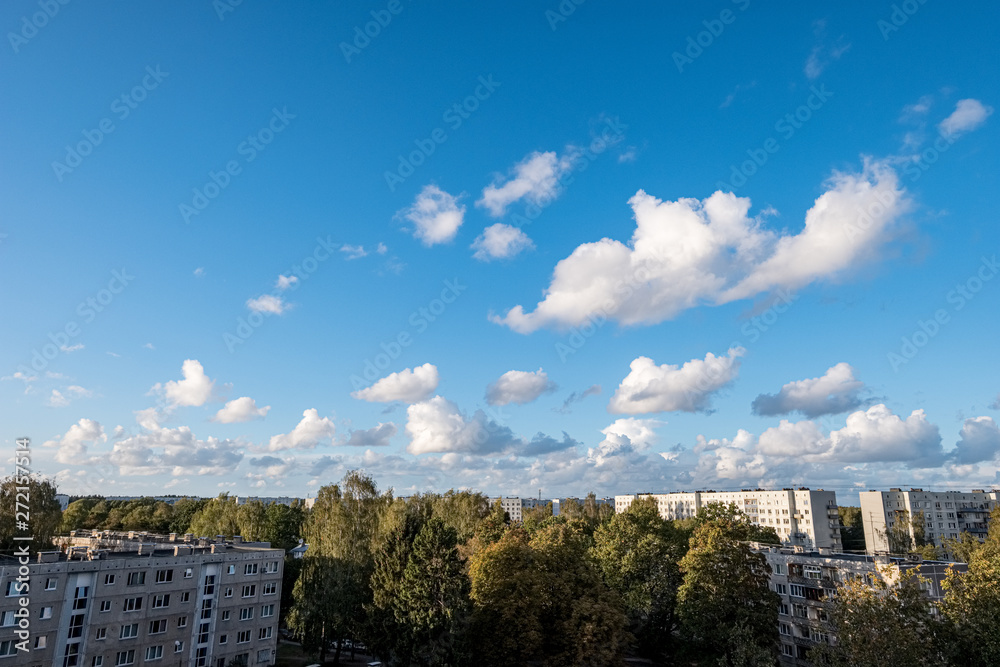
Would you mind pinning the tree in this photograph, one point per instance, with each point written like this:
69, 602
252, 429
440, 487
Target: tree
735, 523
282, 525
852, 528
37, 498
638, 552
882, 621
183, 512
75, 516
217, 517
318, 616
462, 511
726, 608
964, 547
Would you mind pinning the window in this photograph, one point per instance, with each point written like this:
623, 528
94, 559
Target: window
779, 568
270, 589
210, 585
786, 649
231, 569
105, 605
229, 592
265, 633
129, 631
206, 609
225, 615
7, 619
797, 591
182, 621
40, 642
164, 576
783, 609
243, 637
201, 657
46, 612
178, 647
781, 589
263, 656
250, 590
271, 567
136, 578
50, 584
14, 588
102, 633
158, 626
246, 614
267, 611
784, 629
109, 579
223, 639
160, 601
185, 596
132, 604
188, 573
813, 572
203, 633
98, 661
75, 626
8, 647
124, 658
154, 653
250, 568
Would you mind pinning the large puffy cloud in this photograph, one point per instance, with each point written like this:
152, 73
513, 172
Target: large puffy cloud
500, 241
519, 387
377, 436
980, 441
436, 216
74, 443
835, 392
967, 116
624, 438
535, 178
408, 386
671, 388
307, 433
242, 409
688, 252
194, 390
175, 451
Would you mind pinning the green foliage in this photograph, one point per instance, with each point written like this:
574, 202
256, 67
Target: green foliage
852, 528
319, 614
735, 523
38, 500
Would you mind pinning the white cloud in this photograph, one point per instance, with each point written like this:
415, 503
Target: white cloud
353, 251
149, 419
687, 253
377, 436
671, 388
436, 216
199, 272
381, 249
57, 400
967, 116
73, 445
535, 178
519, 387
176, 452
306, 435
980, 441
268, 303
149, 346
408, 386
835, 392
641, 433
194, 390
22, 376
242, 409
500, 241
71, 348
285, 282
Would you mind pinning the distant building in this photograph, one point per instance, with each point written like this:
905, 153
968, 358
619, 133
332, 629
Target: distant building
799, 516
300, 550
115, 600
514, 506
806, 580
269, 500
940, 514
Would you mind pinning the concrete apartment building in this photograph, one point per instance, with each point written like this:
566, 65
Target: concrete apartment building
515, 506
117, 599
799, 516
943, 514
805, 580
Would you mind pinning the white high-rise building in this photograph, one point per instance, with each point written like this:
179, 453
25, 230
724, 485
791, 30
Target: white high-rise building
799, 516
941, 514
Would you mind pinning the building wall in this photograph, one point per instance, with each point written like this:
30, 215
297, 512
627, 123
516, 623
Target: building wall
945, 514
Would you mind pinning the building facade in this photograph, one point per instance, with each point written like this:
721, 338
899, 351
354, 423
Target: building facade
799, 516
151, 601
926, 516
806, 580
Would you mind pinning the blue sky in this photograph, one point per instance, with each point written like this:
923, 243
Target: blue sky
502, 247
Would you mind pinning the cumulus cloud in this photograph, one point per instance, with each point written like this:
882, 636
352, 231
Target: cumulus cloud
194, 390
980, 441
688, 252
242, 409
353, 251
306, 435
967, 116
268, 303
519, 387
286, 282
835, 392
175, 451
500, 241
671, 388
57, 400
74, 443
535, 178
408, 386
377, 436
436, 216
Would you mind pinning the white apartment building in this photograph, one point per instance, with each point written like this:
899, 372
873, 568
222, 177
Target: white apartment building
805, 580
150, 601
943, 514
515, 506
799, 516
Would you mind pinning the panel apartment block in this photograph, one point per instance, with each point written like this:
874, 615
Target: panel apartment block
943, 514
